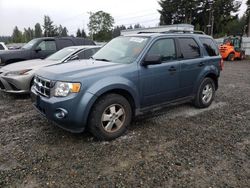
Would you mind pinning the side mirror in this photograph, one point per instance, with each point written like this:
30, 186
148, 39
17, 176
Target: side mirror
152, 60
38, 49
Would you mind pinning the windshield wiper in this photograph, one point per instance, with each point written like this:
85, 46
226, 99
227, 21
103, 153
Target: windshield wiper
103, 60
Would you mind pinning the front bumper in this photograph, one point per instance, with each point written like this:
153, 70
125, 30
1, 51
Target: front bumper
76, 106
15, 84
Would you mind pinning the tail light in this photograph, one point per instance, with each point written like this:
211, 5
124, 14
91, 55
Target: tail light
221, 64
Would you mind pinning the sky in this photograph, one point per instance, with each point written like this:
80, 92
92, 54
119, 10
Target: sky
74, 14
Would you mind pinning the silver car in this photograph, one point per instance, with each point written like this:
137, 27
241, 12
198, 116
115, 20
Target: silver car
18, 77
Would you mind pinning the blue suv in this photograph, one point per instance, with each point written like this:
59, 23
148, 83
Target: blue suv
129, 76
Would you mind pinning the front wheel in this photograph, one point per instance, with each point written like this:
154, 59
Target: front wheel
231, 57
110, 117
205, 94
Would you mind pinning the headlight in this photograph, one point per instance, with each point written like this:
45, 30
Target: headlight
63, 89
16, 73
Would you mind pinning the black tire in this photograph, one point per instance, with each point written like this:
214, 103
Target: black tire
102, 109
242, 55
231, 57
199, 101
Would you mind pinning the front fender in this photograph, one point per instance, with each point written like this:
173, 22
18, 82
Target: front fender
113, 83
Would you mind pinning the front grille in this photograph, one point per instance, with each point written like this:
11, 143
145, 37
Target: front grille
1, 85
42, 86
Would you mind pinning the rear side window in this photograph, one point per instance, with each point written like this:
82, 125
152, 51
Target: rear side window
1, 47
65, 43
210, 46
189, 48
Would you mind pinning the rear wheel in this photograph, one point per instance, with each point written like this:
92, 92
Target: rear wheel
110, 117
205, 94
242, 56
231, 57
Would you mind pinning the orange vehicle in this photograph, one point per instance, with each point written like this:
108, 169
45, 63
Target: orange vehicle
231, 49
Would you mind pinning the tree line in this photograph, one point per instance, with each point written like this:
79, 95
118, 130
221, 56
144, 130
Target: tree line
99, 32
202, 13
221, 15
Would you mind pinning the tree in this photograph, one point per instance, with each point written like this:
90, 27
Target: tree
81, 33
38, 31
100, 25
64, 32
28, 34
78, 33
117, 31
248, 18
17, 36
198, 12
84, 34
50, 30
136, 26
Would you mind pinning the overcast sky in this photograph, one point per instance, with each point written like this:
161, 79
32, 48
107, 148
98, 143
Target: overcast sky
74, 13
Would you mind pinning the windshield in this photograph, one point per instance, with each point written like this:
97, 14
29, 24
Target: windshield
61, 54
122, 49
30, 44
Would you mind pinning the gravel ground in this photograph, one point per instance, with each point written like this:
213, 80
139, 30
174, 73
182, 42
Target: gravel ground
178, 147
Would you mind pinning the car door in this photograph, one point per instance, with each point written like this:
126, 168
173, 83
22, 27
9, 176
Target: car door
191, 64
159, 83
44, 49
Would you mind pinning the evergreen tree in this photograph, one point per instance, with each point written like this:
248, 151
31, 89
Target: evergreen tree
197, 12
17, 36
38, 31
50, 30
64, 32
78, 33
83, 34
28, 34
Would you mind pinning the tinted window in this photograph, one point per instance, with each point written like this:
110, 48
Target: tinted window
210, 46
65, 43
49, 45
86, 54
189, 48
164, 48
1, 47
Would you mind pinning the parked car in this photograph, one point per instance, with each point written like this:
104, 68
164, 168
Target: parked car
2, 46
129, 76
41, 48
18, 77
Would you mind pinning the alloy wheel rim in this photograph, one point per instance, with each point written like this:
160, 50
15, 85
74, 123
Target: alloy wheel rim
207, 93
113, 118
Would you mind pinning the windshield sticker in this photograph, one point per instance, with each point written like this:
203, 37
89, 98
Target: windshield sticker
137, 39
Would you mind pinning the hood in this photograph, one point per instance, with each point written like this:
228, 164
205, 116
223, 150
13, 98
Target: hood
9, 52
29, 64
77, 69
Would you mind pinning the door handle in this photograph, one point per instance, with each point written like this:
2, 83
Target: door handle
172, 69
201, 64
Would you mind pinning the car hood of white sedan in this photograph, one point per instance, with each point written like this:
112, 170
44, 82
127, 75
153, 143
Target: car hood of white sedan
29, 64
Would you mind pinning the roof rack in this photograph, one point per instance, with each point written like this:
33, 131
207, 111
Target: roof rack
145, 32
173, 31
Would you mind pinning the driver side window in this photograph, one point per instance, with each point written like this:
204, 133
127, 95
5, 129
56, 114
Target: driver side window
47, 45
165, 48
